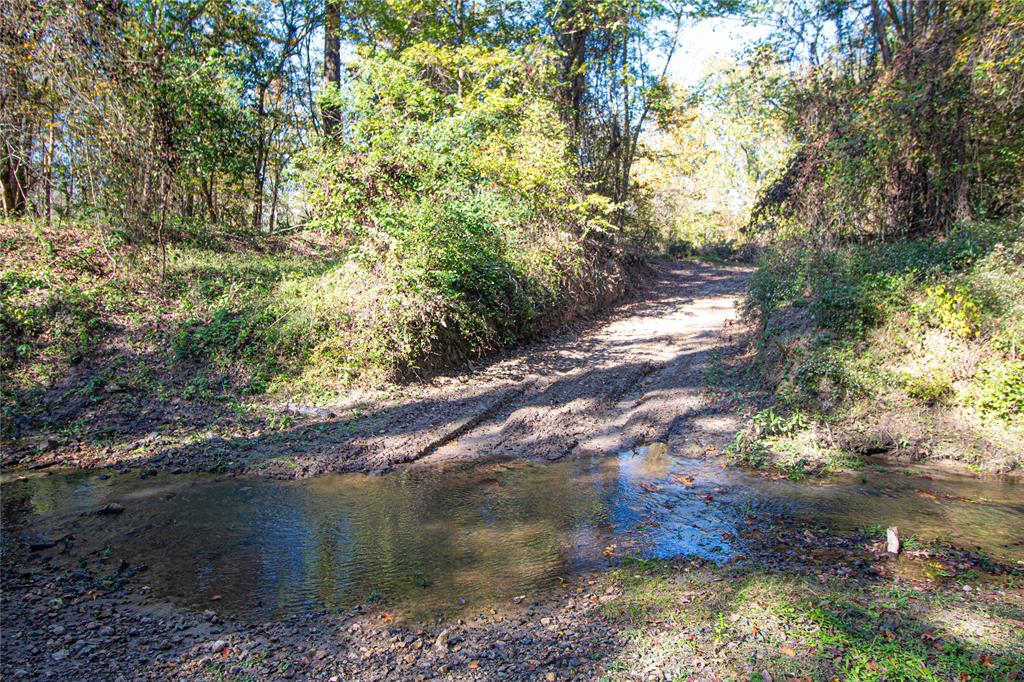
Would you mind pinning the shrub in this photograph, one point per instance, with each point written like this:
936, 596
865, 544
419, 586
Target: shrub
455, 190
930, 388
952, 309
999, 390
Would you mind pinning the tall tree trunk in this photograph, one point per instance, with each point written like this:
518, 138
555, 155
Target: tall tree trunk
879, 29
275, 194
260, 175
332, 62
48, 171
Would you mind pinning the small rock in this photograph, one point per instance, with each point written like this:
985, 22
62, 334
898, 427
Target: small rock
60, 655
110, 509
215, 647
441, 643
892, 540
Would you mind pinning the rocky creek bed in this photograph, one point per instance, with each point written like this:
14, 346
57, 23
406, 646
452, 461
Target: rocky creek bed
808, 604
646, 566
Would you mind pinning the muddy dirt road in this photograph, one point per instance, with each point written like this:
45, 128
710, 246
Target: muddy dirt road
634, 376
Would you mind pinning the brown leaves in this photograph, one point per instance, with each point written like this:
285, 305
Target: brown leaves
680, 478
650, 487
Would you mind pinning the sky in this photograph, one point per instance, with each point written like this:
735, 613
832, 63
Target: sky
709, 39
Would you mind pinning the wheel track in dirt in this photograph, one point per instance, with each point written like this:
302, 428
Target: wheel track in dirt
634, 375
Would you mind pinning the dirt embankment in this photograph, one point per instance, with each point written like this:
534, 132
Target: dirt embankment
634, 375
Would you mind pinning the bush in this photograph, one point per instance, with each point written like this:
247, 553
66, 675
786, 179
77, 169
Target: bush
969, 286
1000, 390
455, 191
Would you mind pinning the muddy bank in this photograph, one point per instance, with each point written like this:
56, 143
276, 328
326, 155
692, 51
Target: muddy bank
631, 376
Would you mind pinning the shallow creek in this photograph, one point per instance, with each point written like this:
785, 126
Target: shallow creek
431, 540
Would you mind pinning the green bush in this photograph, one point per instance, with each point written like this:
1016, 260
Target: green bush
930, 388
969, 285
999, 390
455, 190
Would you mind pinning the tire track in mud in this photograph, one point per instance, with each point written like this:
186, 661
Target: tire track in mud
636, 378
634, 375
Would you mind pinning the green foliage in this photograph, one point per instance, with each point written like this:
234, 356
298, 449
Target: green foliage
929, 388
712, 152
455, 191
930, 322
768, 422
47, 306
853, 289
1000, 390
907, 144
951, 309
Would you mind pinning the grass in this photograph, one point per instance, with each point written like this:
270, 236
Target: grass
752, 622
893, 347
227, 320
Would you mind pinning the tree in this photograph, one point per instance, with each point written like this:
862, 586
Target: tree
332, 62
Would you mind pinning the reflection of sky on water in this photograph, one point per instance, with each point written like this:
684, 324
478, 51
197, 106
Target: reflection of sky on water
431, 539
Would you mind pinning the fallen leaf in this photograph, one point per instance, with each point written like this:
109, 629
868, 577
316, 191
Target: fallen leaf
473, 665
787, 651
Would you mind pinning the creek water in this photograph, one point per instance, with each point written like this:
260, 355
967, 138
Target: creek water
434, 540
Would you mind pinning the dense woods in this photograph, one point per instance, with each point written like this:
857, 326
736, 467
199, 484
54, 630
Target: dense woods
296, 194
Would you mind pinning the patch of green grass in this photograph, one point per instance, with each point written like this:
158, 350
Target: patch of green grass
934, 324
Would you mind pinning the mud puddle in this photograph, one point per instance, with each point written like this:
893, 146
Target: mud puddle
437, 540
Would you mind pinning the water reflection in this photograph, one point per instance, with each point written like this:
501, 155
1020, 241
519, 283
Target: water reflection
433, 539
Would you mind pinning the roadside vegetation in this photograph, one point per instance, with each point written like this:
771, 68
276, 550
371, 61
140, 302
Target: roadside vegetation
455, 185
887, 304
911, 348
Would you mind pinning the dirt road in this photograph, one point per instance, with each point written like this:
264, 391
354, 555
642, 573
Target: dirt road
634, 376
